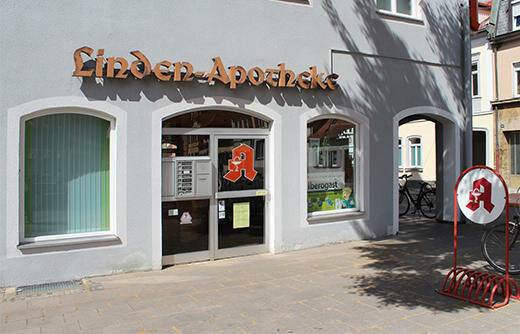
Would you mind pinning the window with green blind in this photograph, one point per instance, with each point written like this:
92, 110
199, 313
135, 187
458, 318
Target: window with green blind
66, 175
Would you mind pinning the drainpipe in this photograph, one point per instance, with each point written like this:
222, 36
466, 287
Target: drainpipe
473, 14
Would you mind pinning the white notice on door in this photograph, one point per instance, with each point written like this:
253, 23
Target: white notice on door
221, 206
221, 215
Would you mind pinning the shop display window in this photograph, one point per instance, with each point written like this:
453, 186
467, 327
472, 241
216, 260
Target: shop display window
331, 165
66, 179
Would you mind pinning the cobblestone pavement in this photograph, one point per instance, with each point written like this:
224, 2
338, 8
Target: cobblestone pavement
383, 286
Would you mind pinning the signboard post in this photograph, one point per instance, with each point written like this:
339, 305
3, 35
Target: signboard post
481, 194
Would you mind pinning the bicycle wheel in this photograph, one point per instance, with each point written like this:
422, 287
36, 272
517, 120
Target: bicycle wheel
404, 203
427, 204
493, 245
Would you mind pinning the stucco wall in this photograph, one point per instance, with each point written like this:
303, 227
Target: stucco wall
480, 49
508, 54
509, 120
385, 65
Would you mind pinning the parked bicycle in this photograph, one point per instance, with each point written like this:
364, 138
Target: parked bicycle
424, 202
493, 244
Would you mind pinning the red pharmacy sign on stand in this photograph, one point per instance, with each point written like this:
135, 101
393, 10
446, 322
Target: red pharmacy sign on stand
481, 194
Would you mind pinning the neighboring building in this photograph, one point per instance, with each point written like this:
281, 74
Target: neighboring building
504, 36
143, 134
417, 155
482, 91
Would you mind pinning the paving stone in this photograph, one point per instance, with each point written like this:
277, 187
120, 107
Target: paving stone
367, 286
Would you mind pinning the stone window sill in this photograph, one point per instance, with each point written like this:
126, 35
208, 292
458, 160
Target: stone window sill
26, 246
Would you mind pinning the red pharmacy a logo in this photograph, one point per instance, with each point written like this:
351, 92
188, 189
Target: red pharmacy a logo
481, 193
243, 159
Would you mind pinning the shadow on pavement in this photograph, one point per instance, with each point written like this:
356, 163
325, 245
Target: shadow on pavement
409, 268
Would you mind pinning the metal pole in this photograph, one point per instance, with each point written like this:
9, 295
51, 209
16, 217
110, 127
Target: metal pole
507, 240
455, 229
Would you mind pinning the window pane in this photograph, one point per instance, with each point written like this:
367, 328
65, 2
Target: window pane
215, 119
474, 84
518, 82
331, 153
234, 170
404, 7
517, 153
413, 156
384, 4
419, 158
514, 147
66, 175
400, 156
184, 146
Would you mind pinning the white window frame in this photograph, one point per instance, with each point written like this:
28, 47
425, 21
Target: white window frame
112, 175
410, 145
515, 14
477, 72
358, 195
393, 11
516, 79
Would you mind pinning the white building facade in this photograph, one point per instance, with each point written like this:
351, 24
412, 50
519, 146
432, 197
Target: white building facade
139, 135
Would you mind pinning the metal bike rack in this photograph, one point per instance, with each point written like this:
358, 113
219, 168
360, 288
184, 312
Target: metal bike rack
474, 286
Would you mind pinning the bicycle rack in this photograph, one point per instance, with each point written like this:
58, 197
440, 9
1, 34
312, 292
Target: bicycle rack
474, 286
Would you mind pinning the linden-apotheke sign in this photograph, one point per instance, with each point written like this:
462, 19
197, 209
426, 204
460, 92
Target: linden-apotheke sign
141, 67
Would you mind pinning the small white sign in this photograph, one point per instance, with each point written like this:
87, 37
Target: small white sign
221, 215
221, 206
481, 196
173, 212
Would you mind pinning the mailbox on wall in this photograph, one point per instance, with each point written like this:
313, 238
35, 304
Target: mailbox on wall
186, 177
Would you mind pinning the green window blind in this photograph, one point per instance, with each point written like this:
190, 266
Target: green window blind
66, 175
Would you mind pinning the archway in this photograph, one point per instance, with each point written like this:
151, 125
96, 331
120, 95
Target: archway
448, 156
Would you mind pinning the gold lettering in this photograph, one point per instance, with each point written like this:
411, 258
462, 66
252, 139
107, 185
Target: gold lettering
121, 74
162, 74
316, 79
177, 73
140, 59
270, 79
302, 82
283, 77
78, 61
331, 81
218, 72
99, 63
260, 76
233, 70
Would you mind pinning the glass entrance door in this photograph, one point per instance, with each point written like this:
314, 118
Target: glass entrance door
186, 198
241, 196
214, 194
